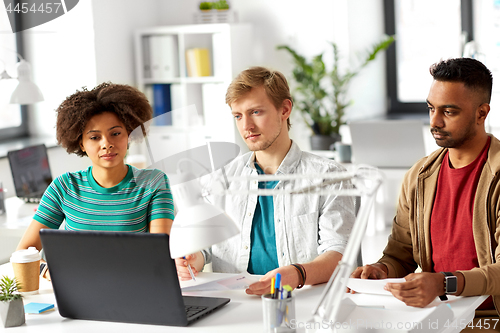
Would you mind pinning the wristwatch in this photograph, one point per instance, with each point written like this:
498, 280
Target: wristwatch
450, 285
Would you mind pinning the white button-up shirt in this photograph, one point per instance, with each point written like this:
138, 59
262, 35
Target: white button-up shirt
306, 225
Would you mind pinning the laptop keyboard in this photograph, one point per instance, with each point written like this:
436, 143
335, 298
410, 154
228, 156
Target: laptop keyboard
192, 310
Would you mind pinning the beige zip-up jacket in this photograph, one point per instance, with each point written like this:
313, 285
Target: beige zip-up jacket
409, 244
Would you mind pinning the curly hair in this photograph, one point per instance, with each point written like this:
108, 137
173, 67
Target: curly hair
129, 104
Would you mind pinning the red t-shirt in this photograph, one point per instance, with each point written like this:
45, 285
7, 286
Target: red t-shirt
451, 218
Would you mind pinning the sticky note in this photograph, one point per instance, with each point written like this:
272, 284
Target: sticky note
37, 307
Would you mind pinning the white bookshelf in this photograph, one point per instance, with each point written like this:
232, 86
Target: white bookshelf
230, 51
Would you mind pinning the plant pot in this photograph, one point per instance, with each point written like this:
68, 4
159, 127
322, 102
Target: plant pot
323, 142
12, 313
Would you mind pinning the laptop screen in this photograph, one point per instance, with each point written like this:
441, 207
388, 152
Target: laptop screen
30, 171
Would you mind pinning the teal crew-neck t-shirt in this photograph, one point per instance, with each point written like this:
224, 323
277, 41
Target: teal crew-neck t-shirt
263, 256
142, 196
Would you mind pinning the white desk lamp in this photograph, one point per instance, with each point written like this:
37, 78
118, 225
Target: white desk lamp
26, 92
198, 224
366, 181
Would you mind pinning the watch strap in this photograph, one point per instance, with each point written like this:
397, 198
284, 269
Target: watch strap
43, 269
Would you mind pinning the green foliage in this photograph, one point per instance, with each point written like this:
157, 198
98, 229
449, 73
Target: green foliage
205, 5
221, 4
320, 95
8, 289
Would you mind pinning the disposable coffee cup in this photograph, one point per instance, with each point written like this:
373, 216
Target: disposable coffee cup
26, 265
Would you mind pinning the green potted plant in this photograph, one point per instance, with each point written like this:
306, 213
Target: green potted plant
321, 95
205, 6
11, 303
221, 5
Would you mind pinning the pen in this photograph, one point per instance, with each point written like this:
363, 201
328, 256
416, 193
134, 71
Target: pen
190, 270
272, 287
277, 286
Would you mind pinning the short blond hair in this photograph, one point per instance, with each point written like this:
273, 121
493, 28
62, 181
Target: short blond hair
274, 84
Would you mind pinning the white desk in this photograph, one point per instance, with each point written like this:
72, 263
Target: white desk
242, 314
13, 224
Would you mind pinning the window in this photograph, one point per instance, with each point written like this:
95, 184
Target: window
427, 31
13, 121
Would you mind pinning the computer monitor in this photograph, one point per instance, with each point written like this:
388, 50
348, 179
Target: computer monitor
387, 143
30, 172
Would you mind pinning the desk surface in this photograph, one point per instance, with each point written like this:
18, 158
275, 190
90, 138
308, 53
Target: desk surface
18, 216
242, 314
13, 224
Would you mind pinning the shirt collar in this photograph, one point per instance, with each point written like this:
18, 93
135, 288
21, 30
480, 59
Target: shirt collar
288, 164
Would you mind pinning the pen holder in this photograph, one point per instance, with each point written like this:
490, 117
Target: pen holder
279, 314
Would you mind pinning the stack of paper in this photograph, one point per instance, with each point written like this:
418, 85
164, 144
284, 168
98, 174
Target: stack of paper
373, 308
240, 281
198, 62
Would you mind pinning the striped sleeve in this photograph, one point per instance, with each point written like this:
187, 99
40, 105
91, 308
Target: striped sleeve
49, 211
162, 204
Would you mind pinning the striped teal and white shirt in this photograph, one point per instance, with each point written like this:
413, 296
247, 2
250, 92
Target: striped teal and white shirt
142, 196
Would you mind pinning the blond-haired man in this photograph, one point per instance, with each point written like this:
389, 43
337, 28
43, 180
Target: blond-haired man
301, 237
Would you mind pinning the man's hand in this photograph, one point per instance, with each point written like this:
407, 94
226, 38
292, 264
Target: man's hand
181, 265
374, 272
289, 275
419, 290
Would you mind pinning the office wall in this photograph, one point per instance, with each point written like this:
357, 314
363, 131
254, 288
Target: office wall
62, 56
114, 24
486, 31
275, 22
93, 43
354, 25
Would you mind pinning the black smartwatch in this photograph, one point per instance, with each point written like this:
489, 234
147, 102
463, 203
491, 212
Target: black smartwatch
450, 285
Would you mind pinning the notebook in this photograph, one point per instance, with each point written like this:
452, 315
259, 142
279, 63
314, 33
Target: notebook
387, 143
30, 172
120, 277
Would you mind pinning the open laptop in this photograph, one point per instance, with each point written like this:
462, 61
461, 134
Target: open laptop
30, 172
121, 277
387, 143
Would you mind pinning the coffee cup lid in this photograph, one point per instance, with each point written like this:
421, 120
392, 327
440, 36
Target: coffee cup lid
24, 256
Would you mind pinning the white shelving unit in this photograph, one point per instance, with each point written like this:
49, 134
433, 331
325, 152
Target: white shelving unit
230, 51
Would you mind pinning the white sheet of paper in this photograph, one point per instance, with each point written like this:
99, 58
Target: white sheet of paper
240, 281
367, 286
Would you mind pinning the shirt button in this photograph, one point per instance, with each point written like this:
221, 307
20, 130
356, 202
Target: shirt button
246, 247
249, 214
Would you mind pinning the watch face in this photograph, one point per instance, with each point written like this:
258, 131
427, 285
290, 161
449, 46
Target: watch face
451, 284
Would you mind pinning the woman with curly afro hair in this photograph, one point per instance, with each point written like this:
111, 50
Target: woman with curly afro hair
110, 195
